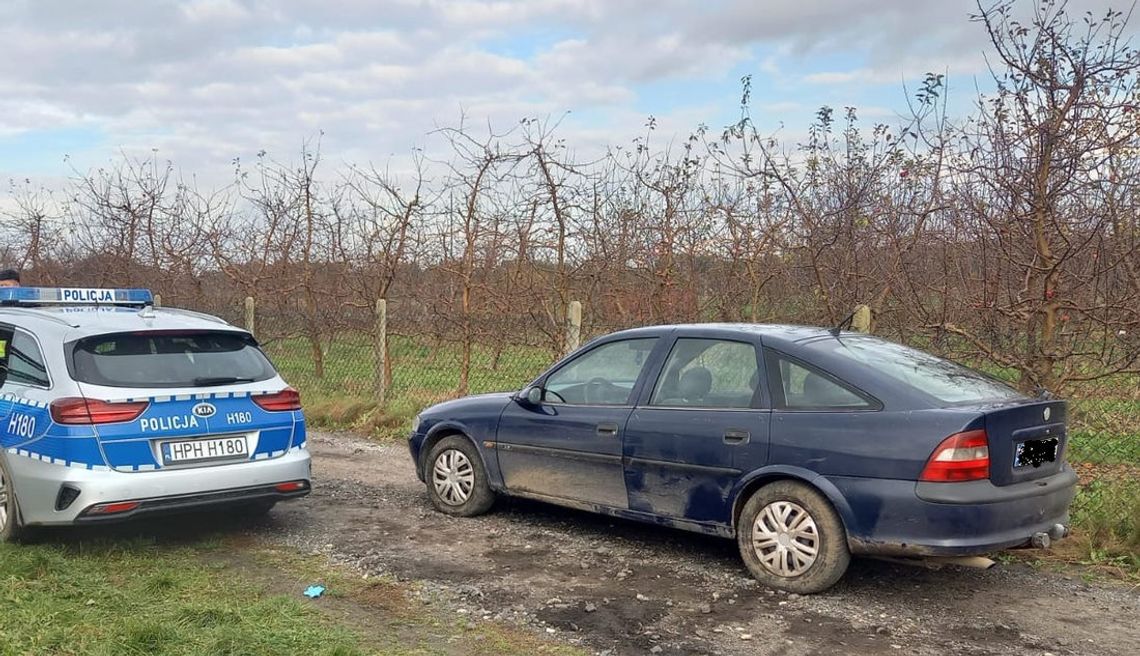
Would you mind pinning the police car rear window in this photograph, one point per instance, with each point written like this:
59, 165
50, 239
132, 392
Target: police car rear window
199, 359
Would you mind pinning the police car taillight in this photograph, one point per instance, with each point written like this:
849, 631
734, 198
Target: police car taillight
75, 410
286, 399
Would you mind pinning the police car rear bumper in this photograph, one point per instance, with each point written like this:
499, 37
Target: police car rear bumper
38, 486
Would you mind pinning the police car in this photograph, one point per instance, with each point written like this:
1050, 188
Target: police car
112, 408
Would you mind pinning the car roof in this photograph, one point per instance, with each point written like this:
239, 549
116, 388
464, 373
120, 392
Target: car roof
68, 323
772, 334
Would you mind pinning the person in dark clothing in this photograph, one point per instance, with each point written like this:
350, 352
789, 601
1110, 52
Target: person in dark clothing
9, 278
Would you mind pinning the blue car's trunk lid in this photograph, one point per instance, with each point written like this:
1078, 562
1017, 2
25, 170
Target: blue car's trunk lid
1026, 441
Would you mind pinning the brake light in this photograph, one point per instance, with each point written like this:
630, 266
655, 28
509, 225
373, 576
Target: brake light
960, 457
75, 410
286, 399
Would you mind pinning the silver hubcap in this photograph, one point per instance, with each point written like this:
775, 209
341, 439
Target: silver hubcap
3, 501
785, 538
453, 477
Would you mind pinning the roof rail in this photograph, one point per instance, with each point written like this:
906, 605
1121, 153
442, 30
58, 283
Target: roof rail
39, 314
194, 314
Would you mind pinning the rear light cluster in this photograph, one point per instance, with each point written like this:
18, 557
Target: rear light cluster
960, 457
75, 410
286, 399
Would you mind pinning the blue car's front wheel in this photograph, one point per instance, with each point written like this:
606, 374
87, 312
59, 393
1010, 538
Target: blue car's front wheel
791, 538
456, 480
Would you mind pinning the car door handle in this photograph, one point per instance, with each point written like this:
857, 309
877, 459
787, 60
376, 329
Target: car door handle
736, 437
607, 430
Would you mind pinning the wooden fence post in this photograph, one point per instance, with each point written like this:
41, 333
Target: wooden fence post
249, 314
380, 348
861, 321
573, 326
157, 302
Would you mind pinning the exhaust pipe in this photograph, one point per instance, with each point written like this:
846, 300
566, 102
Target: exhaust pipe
938, 562
976, 562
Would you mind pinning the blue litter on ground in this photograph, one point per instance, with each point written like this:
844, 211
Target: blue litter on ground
314, 591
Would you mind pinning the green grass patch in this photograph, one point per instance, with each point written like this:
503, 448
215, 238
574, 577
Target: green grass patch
137, 597
1104, 430
222, 595
423, 373
1107, 511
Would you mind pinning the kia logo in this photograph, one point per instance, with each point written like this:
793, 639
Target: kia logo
204, 410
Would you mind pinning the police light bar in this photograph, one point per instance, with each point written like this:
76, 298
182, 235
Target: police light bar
74, 296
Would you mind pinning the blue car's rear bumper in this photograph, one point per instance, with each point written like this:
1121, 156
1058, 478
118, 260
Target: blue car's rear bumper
894, 517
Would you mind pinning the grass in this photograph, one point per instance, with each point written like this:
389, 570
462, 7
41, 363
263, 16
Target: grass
221, 595
422, 374
137, 597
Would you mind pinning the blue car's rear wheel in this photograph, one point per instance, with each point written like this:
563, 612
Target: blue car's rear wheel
456, 480
791, 538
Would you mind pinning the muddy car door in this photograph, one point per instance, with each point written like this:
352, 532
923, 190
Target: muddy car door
701, 422
569, 445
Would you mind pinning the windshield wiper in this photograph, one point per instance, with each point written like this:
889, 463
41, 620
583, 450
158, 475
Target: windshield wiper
206, 381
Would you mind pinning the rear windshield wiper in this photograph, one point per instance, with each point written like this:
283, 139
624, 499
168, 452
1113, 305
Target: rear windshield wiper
206, 381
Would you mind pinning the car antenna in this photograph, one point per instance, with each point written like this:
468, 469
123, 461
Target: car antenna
842, 325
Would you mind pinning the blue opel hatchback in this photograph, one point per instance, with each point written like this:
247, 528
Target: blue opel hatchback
805, 445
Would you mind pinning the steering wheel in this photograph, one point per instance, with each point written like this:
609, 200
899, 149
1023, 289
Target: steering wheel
593, 391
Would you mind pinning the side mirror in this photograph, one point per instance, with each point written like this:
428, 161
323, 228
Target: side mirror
533, 395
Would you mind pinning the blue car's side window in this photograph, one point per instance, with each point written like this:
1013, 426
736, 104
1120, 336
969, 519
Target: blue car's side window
605, 375
797, 385
708, 373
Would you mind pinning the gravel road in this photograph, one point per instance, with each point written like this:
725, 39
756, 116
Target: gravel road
618, 587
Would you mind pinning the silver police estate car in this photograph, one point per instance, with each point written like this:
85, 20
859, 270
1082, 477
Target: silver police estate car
111, 408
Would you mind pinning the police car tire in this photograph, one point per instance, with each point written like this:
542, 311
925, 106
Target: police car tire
14, 530
832, 554
480, 499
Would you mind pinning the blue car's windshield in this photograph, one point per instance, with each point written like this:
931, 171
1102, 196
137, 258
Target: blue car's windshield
944, 380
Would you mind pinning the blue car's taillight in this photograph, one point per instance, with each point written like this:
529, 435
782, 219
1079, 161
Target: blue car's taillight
960, 457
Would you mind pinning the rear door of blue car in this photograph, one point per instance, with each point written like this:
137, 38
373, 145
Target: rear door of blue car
700, 424
180, 399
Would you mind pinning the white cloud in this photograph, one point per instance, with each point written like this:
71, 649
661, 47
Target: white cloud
208, 80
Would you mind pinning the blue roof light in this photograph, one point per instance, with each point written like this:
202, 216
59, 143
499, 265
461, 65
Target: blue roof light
74, 296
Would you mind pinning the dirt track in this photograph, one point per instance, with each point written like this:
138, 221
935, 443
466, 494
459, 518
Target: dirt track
626, 588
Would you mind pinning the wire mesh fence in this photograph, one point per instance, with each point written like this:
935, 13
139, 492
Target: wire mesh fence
390, 367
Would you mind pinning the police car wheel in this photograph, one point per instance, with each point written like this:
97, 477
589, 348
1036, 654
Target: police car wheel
456, 480
11, 526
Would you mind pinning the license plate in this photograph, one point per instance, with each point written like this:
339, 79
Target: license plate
222, 448
1034, 453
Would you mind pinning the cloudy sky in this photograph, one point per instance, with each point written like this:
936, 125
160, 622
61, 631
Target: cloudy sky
201, 82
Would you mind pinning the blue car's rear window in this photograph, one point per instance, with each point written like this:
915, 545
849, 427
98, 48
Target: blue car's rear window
163, 359
944, 380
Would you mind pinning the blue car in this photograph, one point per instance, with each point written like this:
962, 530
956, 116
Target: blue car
806, 445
